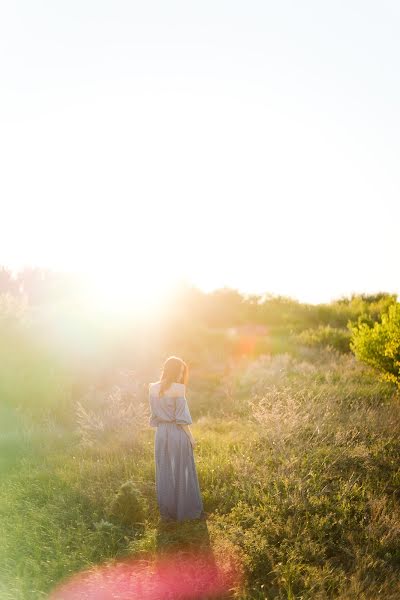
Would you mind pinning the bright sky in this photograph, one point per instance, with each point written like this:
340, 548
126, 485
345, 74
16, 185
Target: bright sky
251, 144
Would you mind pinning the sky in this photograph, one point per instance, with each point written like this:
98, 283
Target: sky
250, 144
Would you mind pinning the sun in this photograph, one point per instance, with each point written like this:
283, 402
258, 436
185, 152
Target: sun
123, 290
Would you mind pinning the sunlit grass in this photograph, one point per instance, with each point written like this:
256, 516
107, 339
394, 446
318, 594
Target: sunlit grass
304, 512
298, 452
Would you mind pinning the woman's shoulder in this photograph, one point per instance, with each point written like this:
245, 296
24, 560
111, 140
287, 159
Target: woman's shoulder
175, 389
154, 386
178, 386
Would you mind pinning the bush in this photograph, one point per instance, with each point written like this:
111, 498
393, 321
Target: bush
129, 505
379, 345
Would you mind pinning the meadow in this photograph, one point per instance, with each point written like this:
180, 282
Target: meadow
297, 456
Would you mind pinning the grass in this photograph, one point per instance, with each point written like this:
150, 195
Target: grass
298, 462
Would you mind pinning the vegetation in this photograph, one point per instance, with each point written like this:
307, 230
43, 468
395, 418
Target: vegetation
326, 336
379, 344
298, 442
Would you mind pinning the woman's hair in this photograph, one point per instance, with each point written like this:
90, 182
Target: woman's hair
171, 373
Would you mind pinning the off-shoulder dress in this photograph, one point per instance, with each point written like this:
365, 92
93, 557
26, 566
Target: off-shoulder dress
177, 484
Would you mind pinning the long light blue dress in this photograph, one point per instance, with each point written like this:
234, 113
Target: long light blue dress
177, 485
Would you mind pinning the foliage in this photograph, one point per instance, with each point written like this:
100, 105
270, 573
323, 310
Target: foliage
298, 454
379, 345
325, 336
129, 504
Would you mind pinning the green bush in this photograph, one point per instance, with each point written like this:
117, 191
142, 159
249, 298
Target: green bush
379, 345
128, 506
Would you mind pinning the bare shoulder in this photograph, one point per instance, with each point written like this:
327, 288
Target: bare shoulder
179, 388
154, 386
175, 389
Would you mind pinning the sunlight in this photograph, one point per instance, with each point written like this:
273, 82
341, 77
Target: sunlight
118, 291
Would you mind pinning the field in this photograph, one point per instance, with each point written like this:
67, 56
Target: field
298, 462
297, 456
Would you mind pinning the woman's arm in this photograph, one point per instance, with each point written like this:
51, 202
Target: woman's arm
186, 428
182, 413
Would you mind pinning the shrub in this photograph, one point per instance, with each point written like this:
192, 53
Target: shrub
379, 345
129, 504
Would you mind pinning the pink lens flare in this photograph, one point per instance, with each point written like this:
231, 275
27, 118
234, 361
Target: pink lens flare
174, 576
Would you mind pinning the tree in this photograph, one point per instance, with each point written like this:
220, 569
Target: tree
379, 345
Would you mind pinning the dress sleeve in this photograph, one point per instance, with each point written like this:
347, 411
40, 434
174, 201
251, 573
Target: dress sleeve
182, 413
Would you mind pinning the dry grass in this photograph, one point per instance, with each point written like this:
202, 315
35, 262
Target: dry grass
117, 418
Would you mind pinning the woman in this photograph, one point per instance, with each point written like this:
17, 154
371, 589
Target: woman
177, 485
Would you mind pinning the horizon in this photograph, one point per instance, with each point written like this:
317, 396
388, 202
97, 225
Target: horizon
119, 299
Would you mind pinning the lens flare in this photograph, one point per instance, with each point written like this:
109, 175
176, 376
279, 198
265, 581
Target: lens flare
174, 576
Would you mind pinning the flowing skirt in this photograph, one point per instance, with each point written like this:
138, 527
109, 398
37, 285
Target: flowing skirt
177, 485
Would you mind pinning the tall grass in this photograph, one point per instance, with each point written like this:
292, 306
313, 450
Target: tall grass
298, 462
318, 512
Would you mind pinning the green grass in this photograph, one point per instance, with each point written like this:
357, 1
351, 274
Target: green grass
301, 478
